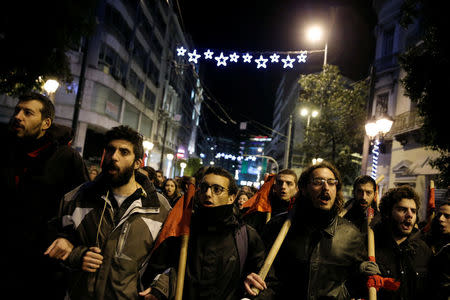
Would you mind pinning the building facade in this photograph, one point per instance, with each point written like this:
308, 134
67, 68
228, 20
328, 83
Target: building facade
127, 73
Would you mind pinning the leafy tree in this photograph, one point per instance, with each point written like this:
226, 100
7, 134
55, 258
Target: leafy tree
338, 131
427, 80
193, 164
34, 39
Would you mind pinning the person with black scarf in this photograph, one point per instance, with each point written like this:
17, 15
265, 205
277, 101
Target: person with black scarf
214, 269
322, 256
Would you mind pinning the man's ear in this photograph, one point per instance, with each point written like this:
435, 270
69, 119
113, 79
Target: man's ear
46, 123
138, 163
231, 198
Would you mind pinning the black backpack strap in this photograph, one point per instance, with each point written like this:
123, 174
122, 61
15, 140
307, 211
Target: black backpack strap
241, 238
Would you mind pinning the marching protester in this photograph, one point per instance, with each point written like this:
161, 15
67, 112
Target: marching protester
39, 166
400, 251
112, 224
322, 255
159, 180
275, 197
150, 173
223, 254
171, 191
364, 193
242, 197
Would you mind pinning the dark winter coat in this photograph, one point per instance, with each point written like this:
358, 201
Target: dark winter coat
319, 257
125, 235
34, 177
407, 263
213, 265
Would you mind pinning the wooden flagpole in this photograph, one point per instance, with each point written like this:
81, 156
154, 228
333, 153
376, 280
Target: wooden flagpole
182, 267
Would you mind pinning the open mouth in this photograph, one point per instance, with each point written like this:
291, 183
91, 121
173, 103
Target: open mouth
207, 203
324, 198
406, 226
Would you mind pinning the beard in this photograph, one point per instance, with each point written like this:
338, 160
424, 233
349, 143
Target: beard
122, 177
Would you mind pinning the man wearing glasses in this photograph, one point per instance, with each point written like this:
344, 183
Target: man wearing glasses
322, 254
215, 267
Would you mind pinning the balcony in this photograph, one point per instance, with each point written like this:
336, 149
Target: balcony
405, 123
386, 62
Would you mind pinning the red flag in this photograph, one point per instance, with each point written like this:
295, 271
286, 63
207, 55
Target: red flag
430, 207
260, 200
179, 219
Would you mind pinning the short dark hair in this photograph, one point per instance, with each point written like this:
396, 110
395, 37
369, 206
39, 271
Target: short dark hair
363, 179
48, 109
305, 178
288, 172
127, 133
232, 186
395, 195
151, 172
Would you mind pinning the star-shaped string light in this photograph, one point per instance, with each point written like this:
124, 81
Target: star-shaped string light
247, 58
181, 51
274, 58
193, 56
208, 54
288, 62
234, 57
302, 57
221, 60
261, 61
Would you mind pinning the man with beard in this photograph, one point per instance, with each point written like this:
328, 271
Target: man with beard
214, 269
364, 189
112, 224
322, 256
38, 168
400, 251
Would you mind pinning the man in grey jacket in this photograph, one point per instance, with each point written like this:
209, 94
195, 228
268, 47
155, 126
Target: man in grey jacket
112, 224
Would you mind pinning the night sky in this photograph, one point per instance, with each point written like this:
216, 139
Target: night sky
247, 93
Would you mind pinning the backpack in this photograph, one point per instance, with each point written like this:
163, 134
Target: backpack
241, 238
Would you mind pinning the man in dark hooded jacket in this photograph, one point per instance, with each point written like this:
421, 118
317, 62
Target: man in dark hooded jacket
38, 168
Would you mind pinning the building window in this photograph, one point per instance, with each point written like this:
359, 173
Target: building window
382, 104
149, 99
388, 42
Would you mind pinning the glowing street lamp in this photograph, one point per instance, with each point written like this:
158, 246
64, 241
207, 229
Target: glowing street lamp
50, 86
148, 146
169, 164
376, 130
315, 34
183, 166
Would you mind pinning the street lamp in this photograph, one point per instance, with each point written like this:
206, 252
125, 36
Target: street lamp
50, 86
376, 129
305, 112
183, 166
169, 164
148, 146
315, 34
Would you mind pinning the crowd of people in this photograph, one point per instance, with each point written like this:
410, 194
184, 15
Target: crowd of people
97, 233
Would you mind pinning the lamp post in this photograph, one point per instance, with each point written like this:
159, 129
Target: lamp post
305, 112
376, 129
315, 34
183, 166
50, 86
169, 164
148, 146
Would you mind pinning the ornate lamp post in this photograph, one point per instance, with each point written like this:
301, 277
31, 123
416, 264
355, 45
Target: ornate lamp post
376, 129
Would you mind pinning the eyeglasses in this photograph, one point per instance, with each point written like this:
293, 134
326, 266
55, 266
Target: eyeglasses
321, 181
215, 188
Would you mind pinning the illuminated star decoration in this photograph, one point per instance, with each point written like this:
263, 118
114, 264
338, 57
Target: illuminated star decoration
274, 58
208, 54
247, 58
288, 62
261, 61
221, 60
181, 51
302, 57
234, 57
194, 56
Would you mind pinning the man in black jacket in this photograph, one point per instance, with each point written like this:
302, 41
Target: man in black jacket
38, 168
322, 254
400, 251
214, 269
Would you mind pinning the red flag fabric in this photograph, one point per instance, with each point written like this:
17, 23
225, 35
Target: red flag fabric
260, 200
179, 219
430, 208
